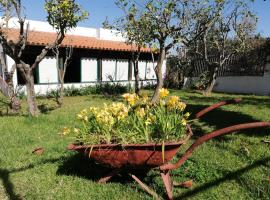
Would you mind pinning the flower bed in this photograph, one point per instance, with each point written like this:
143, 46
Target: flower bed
134, 121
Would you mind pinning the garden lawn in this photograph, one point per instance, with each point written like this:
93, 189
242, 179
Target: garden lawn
230, 167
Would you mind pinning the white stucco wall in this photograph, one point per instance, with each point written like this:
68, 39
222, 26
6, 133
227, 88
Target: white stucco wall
99, 33
106, 34
150, 70
10, 62
142, 70
163, 69
259, 85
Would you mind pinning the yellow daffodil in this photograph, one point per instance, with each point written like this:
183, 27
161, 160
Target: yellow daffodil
148, 121
144, 98
76, 130
163, 92
186, 115
93, 110
181, 106
82, 116
65, 131
130, 98
84, 112
151, 119
162, 102
140, 112
184, 122
105, 118
172, 102
85, 118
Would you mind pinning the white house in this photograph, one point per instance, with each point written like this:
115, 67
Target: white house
99, 55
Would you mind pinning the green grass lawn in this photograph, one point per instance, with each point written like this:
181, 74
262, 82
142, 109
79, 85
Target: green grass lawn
230, 167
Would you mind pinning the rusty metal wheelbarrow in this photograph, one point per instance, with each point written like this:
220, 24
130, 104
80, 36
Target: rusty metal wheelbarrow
148, 156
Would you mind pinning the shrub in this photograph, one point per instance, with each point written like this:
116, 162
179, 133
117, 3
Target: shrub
100, 88
202, 81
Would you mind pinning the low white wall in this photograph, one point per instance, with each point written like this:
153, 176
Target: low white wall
259, 85
43, 89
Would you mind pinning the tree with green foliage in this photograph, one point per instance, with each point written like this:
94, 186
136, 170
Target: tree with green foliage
169, 23
135, 30
6, 76
227, 36
62, 15
61, 69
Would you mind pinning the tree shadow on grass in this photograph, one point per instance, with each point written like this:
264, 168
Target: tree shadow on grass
7, 183
81, 166
220, 118
105, 97
229, 176
246, 100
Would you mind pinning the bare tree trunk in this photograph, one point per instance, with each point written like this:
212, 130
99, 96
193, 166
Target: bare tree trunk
15, 104
60, 99
31, 98
7, 85
212, 80
61, 68
137, 77
158, 71
136, 69
27, 74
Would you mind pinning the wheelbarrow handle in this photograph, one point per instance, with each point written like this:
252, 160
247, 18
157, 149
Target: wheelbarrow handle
205, 138
216, 105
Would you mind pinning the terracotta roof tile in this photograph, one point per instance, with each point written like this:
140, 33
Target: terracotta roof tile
38, 38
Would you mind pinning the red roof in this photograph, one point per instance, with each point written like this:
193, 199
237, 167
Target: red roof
38, 38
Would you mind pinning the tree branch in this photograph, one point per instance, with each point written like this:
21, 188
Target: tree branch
60, 37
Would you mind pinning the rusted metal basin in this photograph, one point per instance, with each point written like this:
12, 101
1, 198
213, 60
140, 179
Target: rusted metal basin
131, 155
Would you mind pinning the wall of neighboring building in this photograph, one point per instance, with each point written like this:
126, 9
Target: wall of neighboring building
99, 33
10, 63
259, 85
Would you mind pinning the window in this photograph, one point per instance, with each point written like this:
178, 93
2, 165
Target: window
89, 70
48, 70
122, 70
108, 70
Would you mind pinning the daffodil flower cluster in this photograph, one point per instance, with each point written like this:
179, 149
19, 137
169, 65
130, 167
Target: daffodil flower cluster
137, 120
131, 98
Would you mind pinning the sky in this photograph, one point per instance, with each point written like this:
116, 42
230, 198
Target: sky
100, 9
